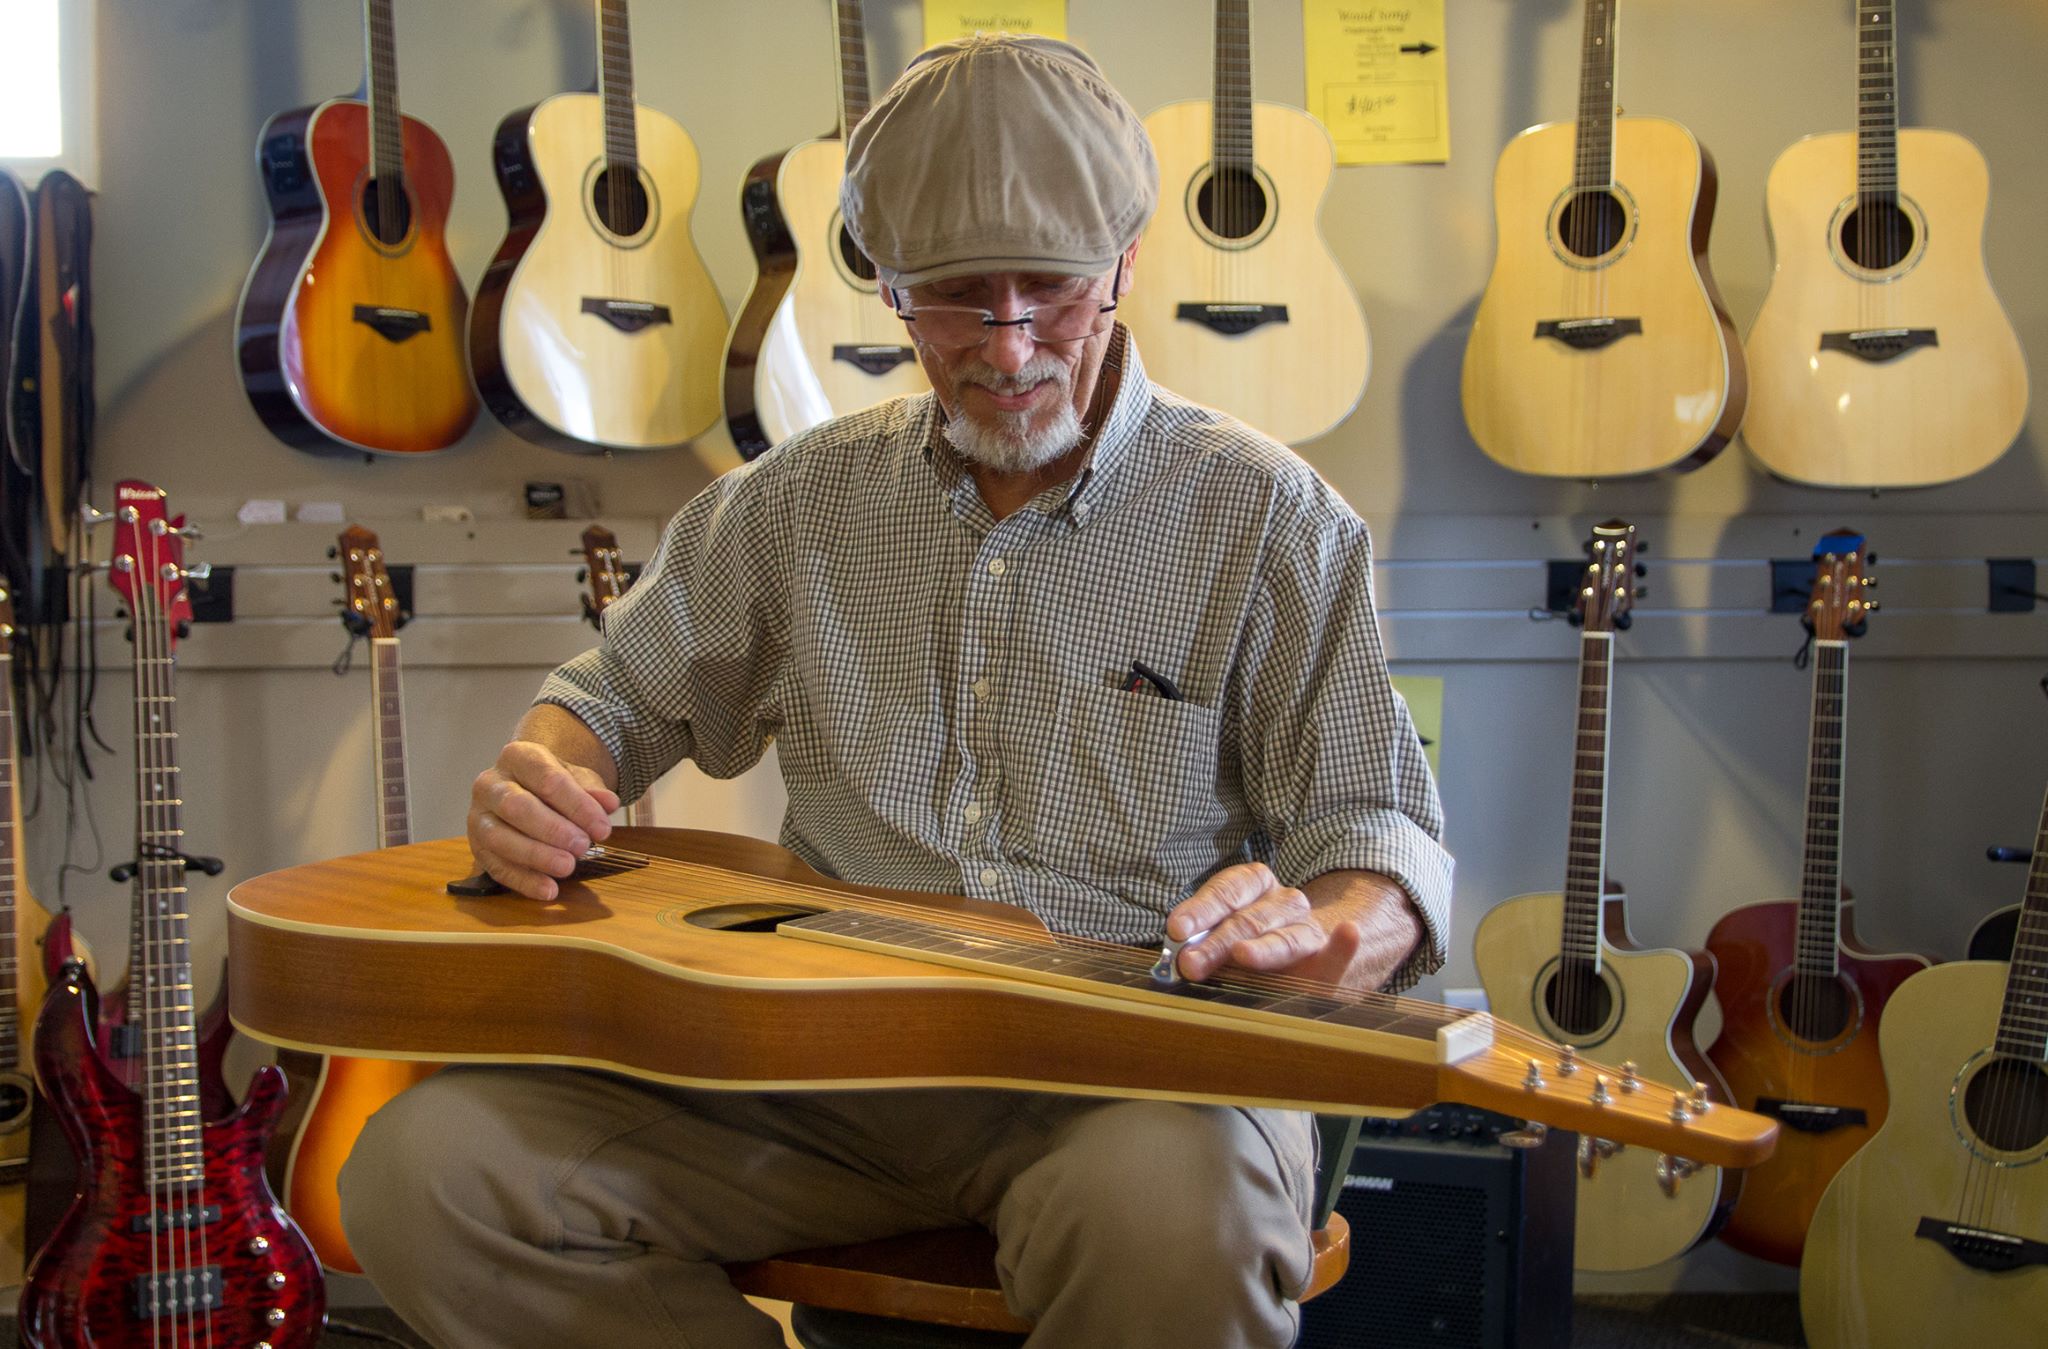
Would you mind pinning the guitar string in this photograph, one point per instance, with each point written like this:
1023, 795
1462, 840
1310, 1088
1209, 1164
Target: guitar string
162, 1252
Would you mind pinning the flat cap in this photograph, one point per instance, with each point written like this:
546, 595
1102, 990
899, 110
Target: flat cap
994, 153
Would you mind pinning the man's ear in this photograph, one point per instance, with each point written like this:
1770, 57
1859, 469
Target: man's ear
1130, 268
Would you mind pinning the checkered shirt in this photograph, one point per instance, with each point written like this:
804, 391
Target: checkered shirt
948, 690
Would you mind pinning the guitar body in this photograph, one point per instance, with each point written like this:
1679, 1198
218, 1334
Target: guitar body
83, 1290
1763, 1055
31, 925
774, 268
1932, 413
370, 357
348, 1092
1868, 1281
1601, 402
556, 361
1625, 1219
1294, 379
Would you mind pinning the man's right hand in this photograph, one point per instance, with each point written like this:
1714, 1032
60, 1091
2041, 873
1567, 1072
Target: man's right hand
531, 816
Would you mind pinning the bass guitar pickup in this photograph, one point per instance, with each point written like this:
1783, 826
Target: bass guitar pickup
628, 316
872, 360
1231, 319
1588, 334
1808, 1118
175, 1219
1982, 1248
176, 1292
1877, 345
393, 324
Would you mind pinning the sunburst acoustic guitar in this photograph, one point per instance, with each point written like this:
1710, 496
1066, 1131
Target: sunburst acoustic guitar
597, 326
1238, 302
349, 329
1801, 999
1937, 1231
1601, 348
813, 339
1565, 966
1881, 357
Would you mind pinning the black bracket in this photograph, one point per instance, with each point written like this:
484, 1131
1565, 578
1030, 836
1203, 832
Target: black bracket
2014, 586
1981, 1247
875, 359
1566, 579
1811, 1119
628, 316
1231, 320
392, 324
1877, 345
1792, 584
1588, 334
213, 597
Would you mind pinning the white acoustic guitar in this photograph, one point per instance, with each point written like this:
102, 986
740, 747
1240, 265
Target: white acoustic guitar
596, 326
813, 339
1881, 357
1238, 302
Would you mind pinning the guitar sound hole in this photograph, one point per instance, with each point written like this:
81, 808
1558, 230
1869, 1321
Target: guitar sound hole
379, 193
1592, 223
856, 261
620, 199
1815, 1007
13, 1101
1232, 204
1877, 236
1578, 1000
2007, 1105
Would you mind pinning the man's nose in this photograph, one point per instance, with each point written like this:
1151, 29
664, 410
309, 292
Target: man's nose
1009, 347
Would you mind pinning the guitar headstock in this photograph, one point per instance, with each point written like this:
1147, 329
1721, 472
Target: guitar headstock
6, 621
370, 607
604, 571
1838, 608
1610, 585
148, 567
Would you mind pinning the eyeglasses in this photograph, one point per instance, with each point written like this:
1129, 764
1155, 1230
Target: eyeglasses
959, 327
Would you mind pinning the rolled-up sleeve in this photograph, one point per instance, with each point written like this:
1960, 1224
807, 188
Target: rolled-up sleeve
1333, 769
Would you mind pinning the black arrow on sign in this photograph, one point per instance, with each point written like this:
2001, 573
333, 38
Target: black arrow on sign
1419, 48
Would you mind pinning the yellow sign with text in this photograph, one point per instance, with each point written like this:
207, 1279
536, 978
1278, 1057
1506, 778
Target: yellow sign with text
1377, 79
945, 20
1424, 695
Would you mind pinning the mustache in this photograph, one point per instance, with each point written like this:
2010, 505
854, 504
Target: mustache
1034, 372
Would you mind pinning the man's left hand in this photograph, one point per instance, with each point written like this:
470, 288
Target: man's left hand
1354, 932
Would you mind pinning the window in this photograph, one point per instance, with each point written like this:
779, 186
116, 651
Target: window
46, 86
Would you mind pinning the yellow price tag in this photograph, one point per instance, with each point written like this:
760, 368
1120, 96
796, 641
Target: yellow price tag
945, 20
1377, 79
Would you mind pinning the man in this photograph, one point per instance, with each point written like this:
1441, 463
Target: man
1051, 637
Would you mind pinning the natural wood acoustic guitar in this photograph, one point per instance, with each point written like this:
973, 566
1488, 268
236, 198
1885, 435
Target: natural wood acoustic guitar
1565, 966
1238, 301
692, 957
606, 576
813, 339
596, 325
1937, 1231
370, 357
1601, 348
1881, 357
1801, 999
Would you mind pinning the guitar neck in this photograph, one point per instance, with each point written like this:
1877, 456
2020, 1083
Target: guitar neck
387, 141
1231, 129
394, 809
1820, 887
1586, 857
10, 812
615, 85
2023, 1020
850, 34
1593, 159
1877, 103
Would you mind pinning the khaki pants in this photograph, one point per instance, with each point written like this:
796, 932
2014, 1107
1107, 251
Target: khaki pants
508, 1207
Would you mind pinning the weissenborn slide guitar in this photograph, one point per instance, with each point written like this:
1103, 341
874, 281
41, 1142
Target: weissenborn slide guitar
1565, 966
1801, 999
701, 958
1601, 348
1937, 1231
370, 357
597, 326
814, 339
1238, 302
1881, 357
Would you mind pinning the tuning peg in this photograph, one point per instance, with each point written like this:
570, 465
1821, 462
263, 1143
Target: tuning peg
1642, 592
333, 550
1530, 1135
1870, 559
198, 571
1641, 570
1699, 1102
1671, 1170
1870, 583
1870, 607
92, 518
1601, 1096
188, 532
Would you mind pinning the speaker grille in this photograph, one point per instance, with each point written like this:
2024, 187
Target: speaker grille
1418, 1272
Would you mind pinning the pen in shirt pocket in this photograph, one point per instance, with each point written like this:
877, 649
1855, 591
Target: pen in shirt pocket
1142, 674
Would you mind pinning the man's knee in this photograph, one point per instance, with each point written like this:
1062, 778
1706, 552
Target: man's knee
419, 1162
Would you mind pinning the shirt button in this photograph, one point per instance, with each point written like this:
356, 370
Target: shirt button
998, 567
988, 876
973, 811
980, 688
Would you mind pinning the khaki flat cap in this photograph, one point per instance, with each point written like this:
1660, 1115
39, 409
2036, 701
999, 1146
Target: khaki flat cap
998, 153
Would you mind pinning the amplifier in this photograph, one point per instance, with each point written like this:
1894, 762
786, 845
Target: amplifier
1458, 1241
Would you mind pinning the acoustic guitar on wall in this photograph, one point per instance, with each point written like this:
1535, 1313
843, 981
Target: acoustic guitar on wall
1601, 348
1238, 303
349, 329
596, 325
1881, 357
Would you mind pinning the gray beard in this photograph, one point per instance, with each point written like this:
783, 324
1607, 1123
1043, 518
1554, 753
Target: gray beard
1009, 445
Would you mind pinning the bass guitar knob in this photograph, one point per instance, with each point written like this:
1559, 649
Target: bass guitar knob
258, 1245
276, 1278
275, 1316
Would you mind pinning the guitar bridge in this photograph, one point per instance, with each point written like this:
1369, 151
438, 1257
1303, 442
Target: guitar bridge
1232, 320
1982, 1248
1588, 334
628, 316
1811, 1119
873, 360
1878, 345
393, 325
176, 1291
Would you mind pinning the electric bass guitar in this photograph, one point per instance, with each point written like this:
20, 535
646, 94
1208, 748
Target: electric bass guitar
1937, 1231
1243, 307
596, 325
174, 1237
813, 339
608, 580
1565, 966
1801, 999
1881, 357
1601, 348
370, 357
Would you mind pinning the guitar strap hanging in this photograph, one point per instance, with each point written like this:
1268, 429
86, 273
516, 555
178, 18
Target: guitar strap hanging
64, 288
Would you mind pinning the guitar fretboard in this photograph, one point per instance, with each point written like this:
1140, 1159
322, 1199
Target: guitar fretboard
851, 34
1231, 130
387, 141
394, 811
1877, 103
2023, 1020
1820, 886
10, 1014
1593, 156
615, 84
1586, 855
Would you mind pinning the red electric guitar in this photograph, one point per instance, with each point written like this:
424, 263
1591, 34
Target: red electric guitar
174, 1238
